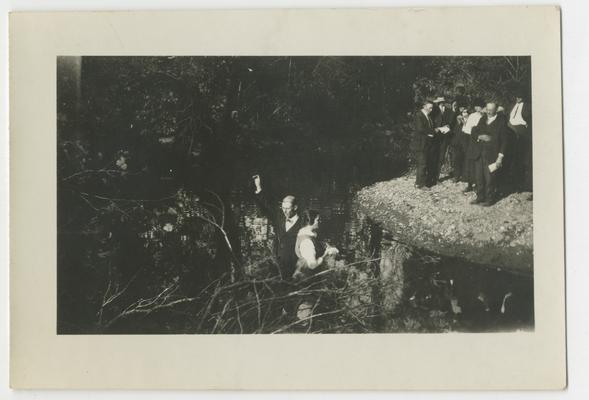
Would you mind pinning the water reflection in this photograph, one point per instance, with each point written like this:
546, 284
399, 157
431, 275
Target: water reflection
428, 293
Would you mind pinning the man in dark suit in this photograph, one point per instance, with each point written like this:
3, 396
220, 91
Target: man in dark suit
491, 135
444, 118
520, 122
286, 224
424, 133
460, 142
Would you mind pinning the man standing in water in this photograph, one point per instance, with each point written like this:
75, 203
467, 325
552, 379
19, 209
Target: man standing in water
286, 223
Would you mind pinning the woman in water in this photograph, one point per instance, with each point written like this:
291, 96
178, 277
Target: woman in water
307, 248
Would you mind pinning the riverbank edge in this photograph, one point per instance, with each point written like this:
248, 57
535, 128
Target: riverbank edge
441, 220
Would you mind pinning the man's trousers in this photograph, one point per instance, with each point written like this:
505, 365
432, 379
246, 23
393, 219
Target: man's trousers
485, 179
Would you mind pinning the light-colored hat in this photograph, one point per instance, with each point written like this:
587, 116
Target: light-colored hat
439, 99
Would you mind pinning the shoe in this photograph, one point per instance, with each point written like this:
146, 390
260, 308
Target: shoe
418, 186
486, 204
477, 200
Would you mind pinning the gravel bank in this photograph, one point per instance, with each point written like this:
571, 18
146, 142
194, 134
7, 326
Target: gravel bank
441, 220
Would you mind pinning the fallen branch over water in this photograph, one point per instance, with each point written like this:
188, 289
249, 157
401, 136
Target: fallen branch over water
269, 305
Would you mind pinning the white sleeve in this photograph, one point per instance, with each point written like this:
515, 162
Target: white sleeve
307, 249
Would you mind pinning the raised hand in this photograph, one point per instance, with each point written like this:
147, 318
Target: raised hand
257, 182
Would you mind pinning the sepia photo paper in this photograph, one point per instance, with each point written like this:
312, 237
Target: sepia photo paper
343, 199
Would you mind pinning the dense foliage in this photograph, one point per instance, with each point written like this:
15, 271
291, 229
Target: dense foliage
487, 78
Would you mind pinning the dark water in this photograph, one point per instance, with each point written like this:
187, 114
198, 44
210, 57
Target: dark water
431, 293
437, 293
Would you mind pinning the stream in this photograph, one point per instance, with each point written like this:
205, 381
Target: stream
435, 294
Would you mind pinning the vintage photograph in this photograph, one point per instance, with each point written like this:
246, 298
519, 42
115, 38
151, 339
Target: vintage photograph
294, 194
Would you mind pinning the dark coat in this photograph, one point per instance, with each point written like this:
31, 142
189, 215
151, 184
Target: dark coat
422, 127
448, 117
457, 136
461, 100
497, 131
284, 241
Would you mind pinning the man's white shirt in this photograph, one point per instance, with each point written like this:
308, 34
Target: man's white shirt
515, 117
307, 248
471, 122
431, 124
290, 222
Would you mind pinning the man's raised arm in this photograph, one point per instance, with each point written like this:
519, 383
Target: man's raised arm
262, 199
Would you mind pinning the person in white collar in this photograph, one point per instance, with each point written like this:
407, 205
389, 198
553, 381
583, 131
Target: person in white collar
491, 114
307, 249
286, 223
311, 253
491, 134
520, 122
518, 114
473, 119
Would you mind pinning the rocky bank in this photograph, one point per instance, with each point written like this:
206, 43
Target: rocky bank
442, 221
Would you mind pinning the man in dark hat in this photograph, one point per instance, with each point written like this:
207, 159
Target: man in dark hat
520, 122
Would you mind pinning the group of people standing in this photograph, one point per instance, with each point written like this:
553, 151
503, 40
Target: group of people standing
489, 149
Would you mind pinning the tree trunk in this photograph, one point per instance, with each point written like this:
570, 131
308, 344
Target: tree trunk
393, 258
